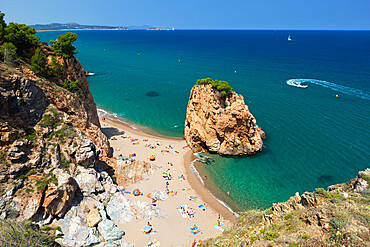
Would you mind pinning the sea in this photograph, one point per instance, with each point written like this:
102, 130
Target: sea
315, 136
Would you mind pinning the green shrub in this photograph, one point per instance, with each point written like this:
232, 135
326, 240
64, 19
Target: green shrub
56, 68
24, 234
39, 63
2, 24
253, 239
63, 46
31, 172
21, 35
47, 121
305, 236
320, 192
271, 235
288, 216
8, 50
337, 224
222, 86
44, 182
65, 163
70, 86
367, 179
2, 155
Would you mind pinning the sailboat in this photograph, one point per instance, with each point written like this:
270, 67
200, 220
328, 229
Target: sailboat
289, 38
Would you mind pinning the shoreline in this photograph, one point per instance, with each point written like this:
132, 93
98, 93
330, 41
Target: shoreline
203, 192
194, 181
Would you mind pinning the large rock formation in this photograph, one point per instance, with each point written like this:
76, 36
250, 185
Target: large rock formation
220, 123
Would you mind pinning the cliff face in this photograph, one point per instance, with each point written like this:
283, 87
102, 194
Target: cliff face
220, 123
338, 216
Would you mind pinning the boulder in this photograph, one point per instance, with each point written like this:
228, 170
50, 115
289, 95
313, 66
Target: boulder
59, 198
362, 184
75, 229
110, 231
147, 211
86, 154
92, 208
88, 181
119, 209
159, 195
220, 123
32, 205
132, 172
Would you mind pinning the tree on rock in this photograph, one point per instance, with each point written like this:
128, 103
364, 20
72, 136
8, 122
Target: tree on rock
8, 50
39, 62
63, 46
2, 24
21, 35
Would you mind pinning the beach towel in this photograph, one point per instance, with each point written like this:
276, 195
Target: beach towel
194, 230
154, 243
202, 207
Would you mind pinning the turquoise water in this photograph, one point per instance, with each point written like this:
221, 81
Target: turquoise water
313, 138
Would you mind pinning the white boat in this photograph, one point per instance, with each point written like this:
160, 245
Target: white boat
295, 83
289, 38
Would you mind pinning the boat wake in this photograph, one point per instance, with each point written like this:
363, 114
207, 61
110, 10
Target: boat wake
336, 87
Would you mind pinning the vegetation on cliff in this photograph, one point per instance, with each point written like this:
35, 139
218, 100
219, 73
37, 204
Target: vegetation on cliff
339, 216
222, 86
24, 234
48, 131
63, 46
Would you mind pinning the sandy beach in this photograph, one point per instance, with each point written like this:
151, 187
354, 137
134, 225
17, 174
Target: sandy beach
172, 154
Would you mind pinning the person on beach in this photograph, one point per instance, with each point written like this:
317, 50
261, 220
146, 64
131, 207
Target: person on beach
228, 193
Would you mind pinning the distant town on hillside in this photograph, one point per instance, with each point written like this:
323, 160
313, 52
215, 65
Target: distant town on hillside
76, 26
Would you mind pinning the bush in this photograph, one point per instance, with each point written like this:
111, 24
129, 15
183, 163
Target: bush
222, 86
8, 50
70, 86
2, 24
43, 183
320, 192
305, 236
23, 234
21, 35
56, 68
39, 63
63, 46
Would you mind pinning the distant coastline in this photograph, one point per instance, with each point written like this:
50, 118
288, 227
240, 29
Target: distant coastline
79, 27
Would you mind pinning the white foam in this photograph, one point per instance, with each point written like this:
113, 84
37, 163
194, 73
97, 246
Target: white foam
196, 173
336, 87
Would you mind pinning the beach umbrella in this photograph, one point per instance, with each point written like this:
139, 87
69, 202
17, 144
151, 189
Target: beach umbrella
147, 229
136, 192
152, 158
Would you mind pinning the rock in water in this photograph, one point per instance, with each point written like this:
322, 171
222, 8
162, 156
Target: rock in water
220, 123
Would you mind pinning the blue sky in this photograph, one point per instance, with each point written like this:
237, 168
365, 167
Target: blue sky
196, 14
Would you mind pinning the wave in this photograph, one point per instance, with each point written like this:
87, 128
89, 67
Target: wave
196, 173
336, 87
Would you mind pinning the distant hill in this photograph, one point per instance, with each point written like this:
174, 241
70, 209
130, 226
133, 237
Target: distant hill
139, 27
74, 26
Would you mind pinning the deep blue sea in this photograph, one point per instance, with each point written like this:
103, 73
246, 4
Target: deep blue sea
313, 138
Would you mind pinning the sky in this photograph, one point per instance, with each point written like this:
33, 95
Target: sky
196, 14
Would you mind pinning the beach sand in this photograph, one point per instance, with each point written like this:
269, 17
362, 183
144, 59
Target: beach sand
174, 229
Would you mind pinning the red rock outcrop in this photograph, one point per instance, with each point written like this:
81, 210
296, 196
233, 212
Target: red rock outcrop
220, 123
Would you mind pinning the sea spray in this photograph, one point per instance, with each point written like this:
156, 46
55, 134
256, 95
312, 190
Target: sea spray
336, 87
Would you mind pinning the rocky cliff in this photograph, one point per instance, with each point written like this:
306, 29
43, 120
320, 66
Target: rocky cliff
338, 216
220, 123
